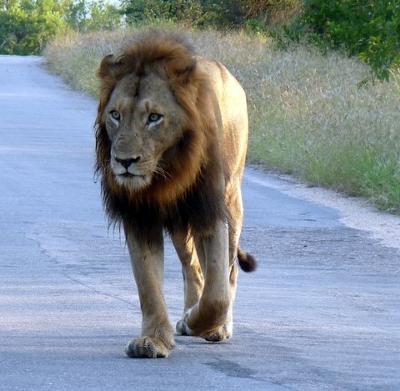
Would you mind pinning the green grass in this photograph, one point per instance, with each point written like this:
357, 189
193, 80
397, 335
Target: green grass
308, 114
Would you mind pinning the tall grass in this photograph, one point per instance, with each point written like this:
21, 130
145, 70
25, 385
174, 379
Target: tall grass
309, 116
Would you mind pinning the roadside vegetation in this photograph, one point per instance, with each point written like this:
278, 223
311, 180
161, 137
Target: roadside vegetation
309, 115
322, 76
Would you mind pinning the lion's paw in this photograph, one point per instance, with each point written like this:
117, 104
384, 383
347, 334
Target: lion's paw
220, 334
217, 335
148, 347
182, 328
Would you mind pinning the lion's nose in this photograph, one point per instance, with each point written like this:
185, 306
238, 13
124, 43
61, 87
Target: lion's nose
127, 162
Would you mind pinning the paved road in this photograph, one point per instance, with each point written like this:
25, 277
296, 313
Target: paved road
321, 313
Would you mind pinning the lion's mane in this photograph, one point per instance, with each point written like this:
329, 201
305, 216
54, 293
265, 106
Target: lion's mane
188, 195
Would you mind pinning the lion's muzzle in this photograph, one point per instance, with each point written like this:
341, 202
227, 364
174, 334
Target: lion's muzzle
128, 172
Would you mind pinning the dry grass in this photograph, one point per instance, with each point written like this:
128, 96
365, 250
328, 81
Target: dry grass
308, 114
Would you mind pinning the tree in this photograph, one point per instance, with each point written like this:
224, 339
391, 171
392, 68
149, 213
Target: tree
83, 15
103, 16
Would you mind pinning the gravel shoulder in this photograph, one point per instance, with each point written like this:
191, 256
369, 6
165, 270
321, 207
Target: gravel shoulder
354, 212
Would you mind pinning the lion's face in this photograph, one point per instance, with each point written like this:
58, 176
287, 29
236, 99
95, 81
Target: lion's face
143, 123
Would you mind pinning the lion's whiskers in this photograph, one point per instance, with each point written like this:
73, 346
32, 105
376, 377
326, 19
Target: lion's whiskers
160, 171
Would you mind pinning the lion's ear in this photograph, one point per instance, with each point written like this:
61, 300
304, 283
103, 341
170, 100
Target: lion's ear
186, 71
182, 68
108, 72
110, 67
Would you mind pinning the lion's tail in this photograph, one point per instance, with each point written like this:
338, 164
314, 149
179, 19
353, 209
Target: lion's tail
246, 261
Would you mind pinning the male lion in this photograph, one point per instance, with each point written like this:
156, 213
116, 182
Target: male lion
171, 142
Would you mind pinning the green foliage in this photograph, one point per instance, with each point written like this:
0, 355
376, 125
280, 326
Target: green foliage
103, 16
27, 25
143, 11
84, 15
214, 13
369, 29
195, 13
198, 13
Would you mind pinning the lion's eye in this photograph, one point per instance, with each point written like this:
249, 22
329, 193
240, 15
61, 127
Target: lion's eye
115, 115
154, 117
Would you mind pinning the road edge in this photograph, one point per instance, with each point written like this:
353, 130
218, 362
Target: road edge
355, 212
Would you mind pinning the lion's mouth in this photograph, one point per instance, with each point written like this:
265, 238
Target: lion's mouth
133, 181
130, 175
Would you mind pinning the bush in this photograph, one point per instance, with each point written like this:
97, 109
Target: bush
270, 12
27, 25
215, 13
367, 28
143, 11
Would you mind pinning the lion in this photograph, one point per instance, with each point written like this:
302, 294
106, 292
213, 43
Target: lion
171, 141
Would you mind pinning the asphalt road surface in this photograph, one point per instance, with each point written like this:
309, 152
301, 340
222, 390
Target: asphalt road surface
322, 312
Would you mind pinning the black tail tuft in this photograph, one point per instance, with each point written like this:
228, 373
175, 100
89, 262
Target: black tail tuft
246, 261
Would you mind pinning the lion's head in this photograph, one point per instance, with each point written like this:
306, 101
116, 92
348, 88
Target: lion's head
143, 122
155, 128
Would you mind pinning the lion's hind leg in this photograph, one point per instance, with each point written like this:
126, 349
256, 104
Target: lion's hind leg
235, 208
210, 312
193, 279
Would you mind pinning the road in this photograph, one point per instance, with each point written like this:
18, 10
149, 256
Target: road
322, 312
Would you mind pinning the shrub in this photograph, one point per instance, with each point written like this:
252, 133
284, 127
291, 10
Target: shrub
367, 28
143, 11
27, 25
215, 13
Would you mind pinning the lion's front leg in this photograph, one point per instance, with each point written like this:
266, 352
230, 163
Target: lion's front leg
147, 257
210, 313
